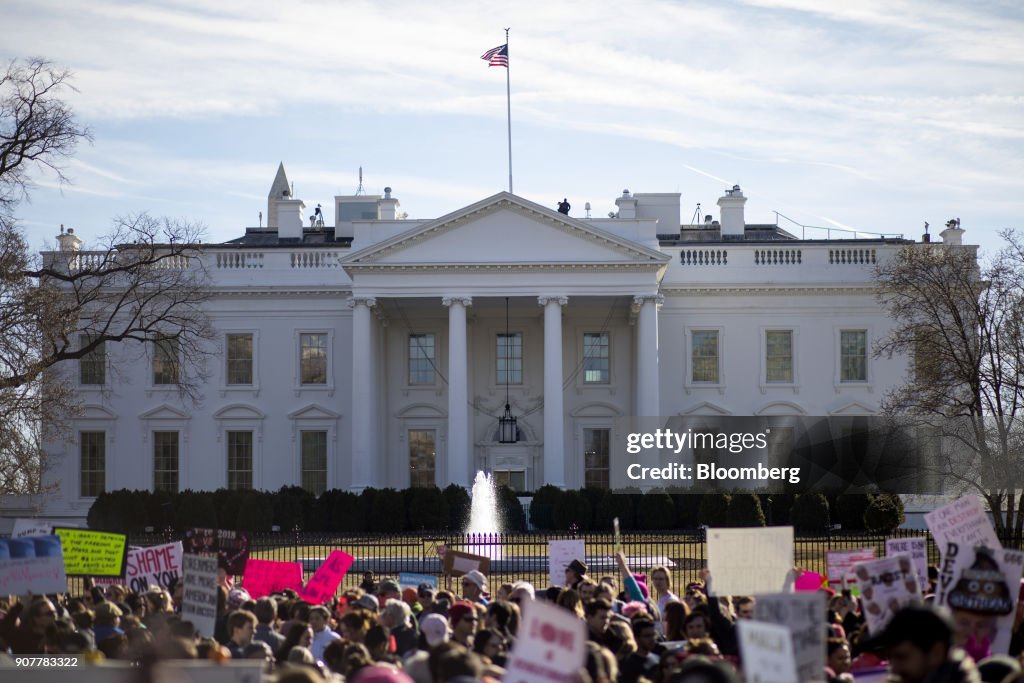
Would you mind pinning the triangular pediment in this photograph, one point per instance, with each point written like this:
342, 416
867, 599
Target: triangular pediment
164, 412
313, 411
854, 408
706, 408
503, 229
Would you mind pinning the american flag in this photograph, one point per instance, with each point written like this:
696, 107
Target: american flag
497, 56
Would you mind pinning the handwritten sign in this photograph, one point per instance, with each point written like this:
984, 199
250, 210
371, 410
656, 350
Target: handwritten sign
886, 585
551, 645
33, 564
325, 581
92, 553
457, 563
804, 615
809, 581
745, 561
25, 528
767, 649
263, 577
157, 565
411, 580
199, 595
230, 547
560, 555
840, 565
917, 548
962, 521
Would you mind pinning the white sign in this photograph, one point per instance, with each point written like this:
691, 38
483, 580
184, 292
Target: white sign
804, 614
917, 548
199, 598
33, 565
750, 560
560, 555
886, 586
155, 565
767, 652
962, 521
25, 528
551, 645
840, 564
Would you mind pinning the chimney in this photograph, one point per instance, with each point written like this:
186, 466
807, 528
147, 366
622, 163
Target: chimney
289, 218
68, 241
387, 206
731, 210
953, 234
627, 206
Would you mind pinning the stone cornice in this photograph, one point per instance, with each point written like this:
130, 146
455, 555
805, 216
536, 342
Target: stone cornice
762, 290
635, 267
281, 293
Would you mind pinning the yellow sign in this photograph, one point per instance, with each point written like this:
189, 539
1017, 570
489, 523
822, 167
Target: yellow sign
92, 553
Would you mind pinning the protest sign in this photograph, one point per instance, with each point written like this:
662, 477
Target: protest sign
33, 564
809, 581
263, 577
551, 645
886, 586
24, 528
92, 553
804, 615
917, 548
457, 563
767, 652
325, 581
156, 565
230, 547
411, 580
560, 555
199, 595
981, 586
745, 561
840, 565
963, 521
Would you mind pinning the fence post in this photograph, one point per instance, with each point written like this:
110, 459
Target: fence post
297, 531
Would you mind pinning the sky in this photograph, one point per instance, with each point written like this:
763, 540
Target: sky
874, 115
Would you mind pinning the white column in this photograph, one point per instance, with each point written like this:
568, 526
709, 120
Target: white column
459, 439
364, 418
648, 401
554, 411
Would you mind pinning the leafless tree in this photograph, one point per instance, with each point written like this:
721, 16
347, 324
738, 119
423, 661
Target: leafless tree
962, 323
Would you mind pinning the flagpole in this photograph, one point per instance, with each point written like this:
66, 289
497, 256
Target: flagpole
508, 105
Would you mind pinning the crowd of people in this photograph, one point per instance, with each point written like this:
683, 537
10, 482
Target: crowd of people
639, 628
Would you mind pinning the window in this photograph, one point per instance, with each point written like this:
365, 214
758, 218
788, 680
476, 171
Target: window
314, 462
509, 357
595, 358
165, 461
239, 358
705, 356
421, 359
92, 367
780, 447
422, 457
779, 356
927, 355
595, 458
165, 360
239, 461
94, 463
853, 356
705, 452
314, 358
514, 479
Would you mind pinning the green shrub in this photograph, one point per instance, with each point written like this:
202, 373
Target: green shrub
850, 508
386, 514
571, 508
810, 512
655, 511
778, 508
884, 514
458, 507
542, 507
427, 509
255, 511
687, 509
293, 506
713, 510
195, 509
510, 510
744, 510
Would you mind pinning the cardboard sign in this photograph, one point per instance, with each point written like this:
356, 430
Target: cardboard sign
560, 555
840, 564
809, 581
457, 563
26, 528
750, 560
886, 586
767, 650
263, 577
917, 548
92, 553
551, 645
964, 521
230, 547
199, 597
804, 615
33, 565
325, 581
411, 580
156, 565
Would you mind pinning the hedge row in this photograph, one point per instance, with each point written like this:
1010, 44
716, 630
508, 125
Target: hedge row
433, 509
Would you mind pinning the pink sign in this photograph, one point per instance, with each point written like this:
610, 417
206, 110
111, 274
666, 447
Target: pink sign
324, 583
809, 581
263, 577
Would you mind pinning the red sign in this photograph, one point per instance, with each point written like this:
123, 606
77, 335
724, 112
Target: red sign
324, 583
263, 577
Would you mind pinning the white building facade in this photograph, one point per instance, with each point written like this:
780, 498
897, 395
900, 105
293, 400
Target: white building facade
377, 352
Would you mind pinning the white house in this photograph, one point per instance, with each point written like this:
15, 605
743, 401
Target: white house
377, 352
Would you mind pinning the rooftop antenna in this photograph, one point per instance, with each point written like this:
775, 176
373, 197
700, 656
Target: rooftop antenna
360, 190
696, 215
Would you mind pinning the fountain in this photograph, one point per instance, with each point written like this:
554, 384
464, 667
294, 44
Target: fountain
483, 532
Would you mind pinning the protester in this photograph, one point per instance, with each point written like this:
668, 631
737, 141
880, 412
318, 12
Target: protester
918, 643
474, 585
